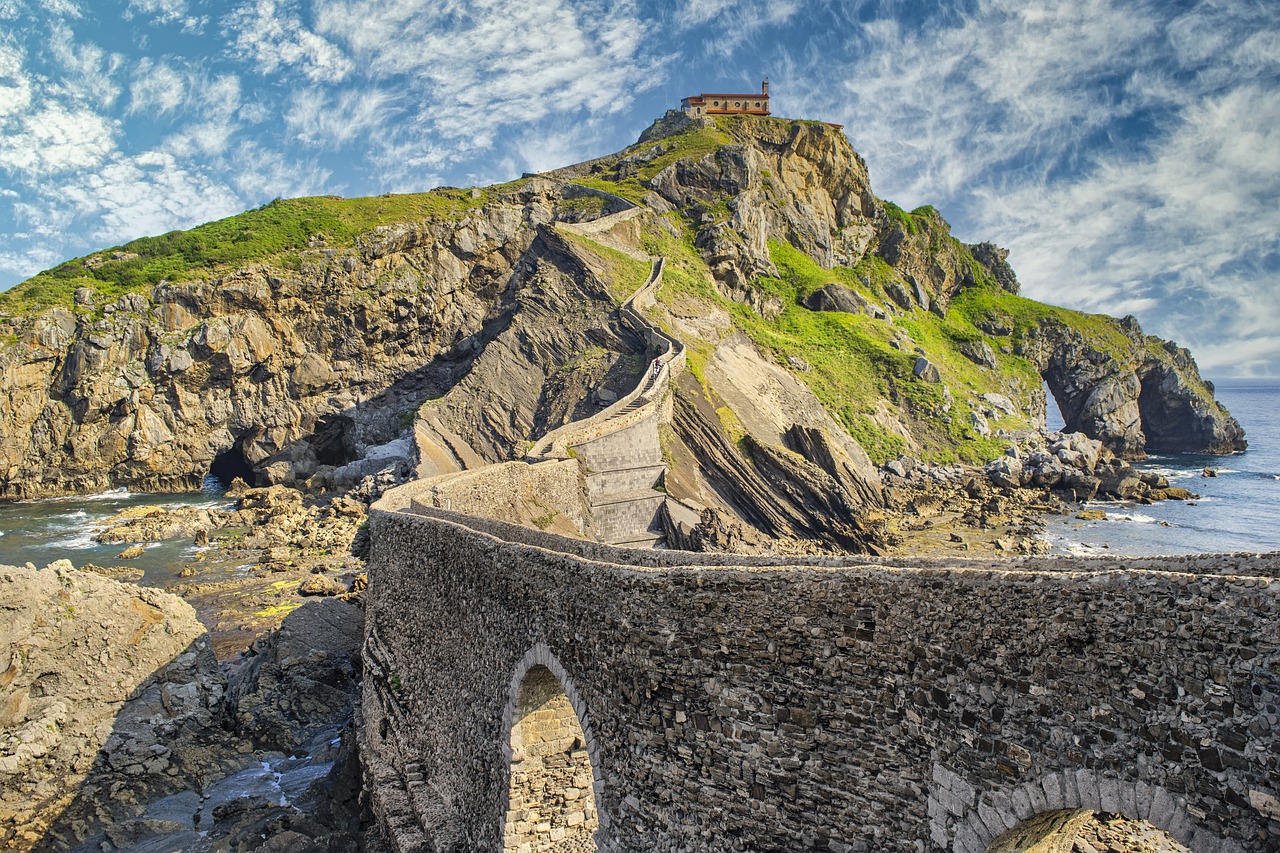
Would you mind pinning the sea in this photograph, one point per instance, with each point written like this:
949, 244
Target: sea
42, 531
1238, 510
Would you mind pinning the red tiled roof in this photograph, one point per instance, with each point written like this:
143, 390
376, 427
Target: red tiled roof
757, 96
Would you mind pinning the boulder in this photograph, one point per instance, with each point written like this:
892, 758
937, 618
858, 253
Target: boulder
837, 297
979, 352
100, 675
926, 370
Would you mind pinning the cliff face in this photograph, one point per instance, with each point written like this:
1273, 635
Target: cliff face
484, 327
286, 372
800, 185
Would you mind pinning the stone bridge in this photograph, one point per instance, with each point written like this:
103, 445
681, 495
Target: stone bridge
527, 691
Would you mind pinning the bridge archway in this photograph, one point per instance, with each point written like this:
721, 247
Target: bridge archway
1033, 817
553, 779
1061, 831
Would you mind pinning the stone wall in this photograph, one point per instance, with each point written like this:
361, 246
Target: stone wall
512, 490
551, 803
830, 706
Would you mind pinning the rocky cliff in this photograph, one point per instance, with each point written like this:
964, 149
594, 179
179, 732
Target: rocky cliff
828, 331
280, 373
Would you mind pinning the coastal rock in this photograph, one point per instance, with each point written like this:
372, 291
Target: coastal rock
100, 676
1139, 395
302, 679
157, 523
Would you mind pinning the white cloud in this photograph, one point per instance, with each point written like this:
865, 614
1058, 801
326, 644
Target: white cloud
1177, 235
496, 64
156, 88
57, 139
734, 22
316, 118
148, 194
87, 71
272, 35
15, 85
161, 11
266, 174
62, 8
23, 265
217, 118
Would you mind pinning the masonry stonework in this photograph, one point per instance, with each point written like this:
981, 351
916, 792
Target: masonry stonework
833, 705
551, 800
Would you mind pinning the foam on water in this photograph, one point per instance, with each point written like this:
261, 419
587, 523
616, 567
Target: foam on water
1239, 510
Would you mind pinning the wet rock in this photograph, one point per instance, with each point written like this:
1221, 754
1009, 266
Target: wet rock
132, 552
1092, 515
301, 679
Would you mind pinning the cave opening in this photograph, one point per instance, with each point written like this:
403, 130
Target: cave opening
1053, 419
334, 440
228, 465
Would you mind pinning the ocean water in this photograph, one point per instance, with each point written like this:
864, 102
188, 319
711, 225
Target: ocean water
1239, 510
43, 531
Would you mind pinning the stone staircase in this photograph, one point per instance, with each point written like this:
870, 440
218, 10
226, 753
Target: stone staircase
619, 448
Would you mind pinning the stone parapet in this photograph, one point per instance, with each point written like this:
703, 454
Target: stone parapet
835, 704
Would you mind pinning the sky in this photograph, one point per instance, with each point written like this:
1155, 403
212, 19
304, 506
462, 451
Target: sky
1126, 152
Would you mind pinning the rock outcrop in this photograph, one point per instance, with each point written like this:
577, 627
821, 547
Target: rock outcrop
282, 374
102, 678
120, 731
1134, 392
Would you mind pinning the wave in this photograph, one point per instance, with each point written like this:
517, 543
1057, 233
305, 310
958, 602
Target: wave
1135, 517
79, 541
111, 495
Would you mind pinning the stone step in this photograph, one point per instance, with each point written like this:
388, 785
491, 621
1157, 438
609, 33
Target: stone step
602, 485
647, 542
627, 518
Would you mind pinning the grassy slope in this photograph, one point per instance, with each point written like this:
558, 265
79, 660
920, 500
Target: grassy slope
852, 365
273, 233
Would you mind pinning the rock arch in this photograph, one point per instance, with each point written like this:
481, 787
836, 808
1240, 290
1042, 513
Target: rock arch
553, 780
992, 821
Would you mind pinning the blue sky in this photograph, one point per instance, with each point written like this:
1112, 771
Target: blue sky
1128, 153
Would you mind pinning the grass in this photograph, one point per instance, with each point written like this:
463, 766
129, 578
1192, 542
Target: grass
623, 273
277, 232
853, 366
695, 143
